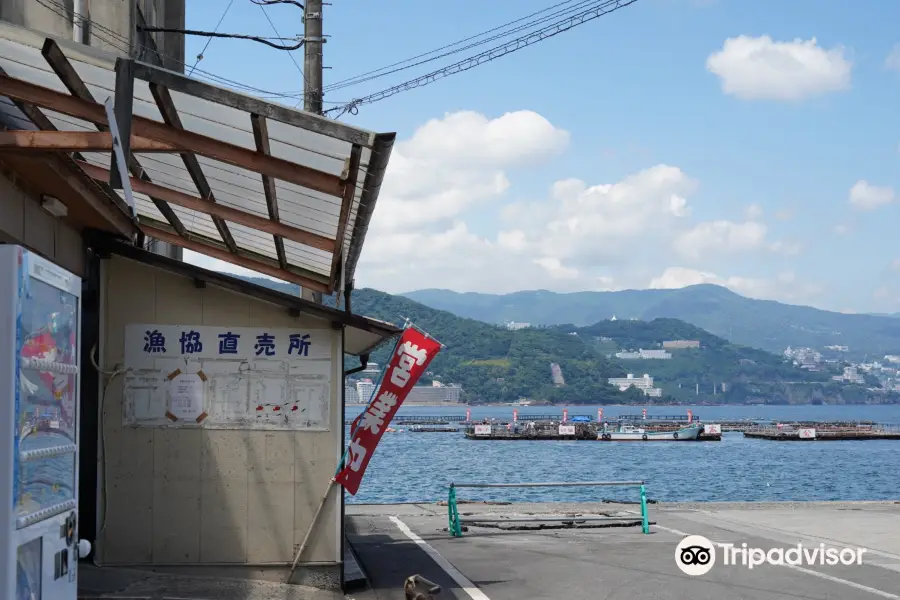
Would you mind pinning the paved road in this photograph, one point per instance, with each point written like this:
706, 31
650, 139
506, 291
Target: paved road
396, 541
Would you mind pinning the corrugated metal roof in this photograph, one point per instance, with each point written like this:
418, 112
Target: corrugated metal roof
307, 144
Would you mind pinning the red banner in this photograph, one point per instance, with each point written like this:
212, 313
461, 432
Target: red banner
412, 356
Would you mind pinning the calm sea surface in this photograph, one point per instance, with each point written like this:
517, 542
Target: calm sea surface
416, 467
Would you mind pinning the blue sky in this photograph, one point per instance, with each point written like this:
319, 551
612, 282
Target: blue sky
762, 139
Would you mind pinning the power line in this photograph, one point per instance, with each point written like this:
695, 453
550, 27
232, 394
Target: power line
209, 41
489, 55
121, 43
262, 7
377, 73
238, 36
271, 2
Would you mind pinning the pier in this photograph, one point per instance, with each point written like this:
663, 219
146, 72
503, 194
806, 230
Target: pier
813, 432
574, 558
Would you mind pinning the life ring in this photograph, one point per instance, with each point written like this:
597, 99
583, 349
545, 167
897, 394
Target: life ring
644, 437
675, 435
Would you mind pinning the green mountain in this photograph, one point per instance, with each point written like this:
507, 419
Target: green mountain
763, 324
717, 371
494, 364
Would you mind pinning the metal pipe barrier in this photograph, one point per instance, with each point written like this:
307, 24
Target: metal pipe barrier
455, 523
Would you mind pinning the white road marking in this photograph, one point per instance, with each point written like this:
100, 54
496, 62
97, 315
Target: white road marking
789, 533
670, 530
825, 576
852, 584
467, 586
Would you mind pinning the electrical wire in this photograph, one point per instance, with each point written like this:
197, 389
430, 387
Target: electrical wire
271, 2
237, 36
122, 44
262, 7
488, 55
104, 460
209, 41
370, 75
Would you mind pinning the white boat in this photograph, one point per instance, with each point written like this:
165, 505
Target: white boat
630, 433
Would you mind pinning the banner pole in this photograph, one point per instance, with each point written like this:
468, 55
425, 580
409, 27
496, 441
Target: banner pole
310, 530
368, 404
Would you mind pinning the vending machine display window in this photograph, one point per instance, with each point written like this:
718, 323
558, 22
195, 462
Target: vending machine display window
40, 316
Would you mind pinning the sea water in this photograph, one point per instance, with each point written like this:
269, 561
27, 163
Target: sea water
418, 467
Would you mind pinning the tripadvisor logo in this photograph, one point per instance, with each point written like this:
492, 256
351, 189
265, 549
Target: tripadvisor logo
696, 555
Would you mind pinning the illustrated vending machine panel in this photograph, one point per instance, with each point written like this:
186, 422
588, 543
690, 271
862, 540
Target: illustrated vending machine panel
46, 420
39, 356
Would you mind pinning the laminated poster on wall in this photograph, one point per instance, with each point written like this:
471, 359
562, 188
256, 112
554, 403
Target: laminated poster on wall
186, 395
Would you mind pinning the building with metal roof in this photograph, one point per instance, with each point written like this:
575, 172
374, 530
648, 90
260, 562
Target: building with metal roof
100, 154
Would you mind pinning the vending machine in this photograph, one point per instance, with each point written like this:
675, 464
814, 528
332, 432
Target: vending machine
40, 319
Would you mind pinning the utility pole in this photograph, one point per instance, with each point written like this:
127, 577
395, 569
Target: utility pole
312, 77
312, 67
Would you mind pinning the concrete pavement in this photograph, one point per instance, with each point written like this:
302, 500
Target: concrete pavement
491, 563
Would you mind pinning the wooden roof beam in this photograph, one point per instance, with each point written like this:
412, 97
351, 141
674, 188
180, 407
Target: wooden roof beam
82, 95
261, 136
72, 141
193, 243
170, 116
278, 229
346, 204
186, 141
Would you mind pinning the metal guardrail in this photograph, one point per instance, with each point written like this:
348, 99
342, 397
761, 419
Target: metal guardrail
455, 523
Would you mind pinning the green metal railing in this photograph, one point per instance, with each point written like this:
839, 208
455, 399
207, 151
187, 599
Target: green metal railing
455, 523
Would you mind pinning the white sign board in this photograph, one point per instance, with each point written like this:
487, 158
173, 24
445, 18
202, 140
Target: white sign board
712, 429
482, 430
566, 430
228, 377
807, 434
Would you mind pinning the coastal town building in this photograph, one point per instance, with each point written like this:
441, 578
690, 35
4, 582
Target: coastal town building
805, 358
850, 375
645, 384
514, 326
680, 344
645, 355
436, 393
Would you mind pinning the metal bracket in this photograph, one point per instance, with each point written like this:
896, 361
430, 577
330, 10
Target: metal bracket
121, 163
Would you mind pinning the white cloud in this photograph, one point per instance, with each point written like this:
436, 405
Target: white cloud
565, 242
866, 196
783, 287
467, 138
455, 163
895, 264
754, 212
892, 62
759, 68
720, 236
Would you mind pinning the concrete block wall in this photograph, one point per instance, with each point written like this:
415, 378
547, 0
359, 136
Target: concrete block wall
208, 497
23, 221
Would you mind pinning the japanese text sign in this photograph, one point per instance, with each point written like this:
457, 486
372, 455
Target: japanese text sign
145, 342
410, 359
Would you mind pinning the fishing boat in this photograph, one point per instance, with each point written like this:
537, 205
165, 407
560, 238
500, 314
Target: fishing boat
630, 433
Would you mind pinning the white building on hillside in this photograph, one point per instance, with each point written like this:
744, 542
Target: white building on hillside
645, 384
